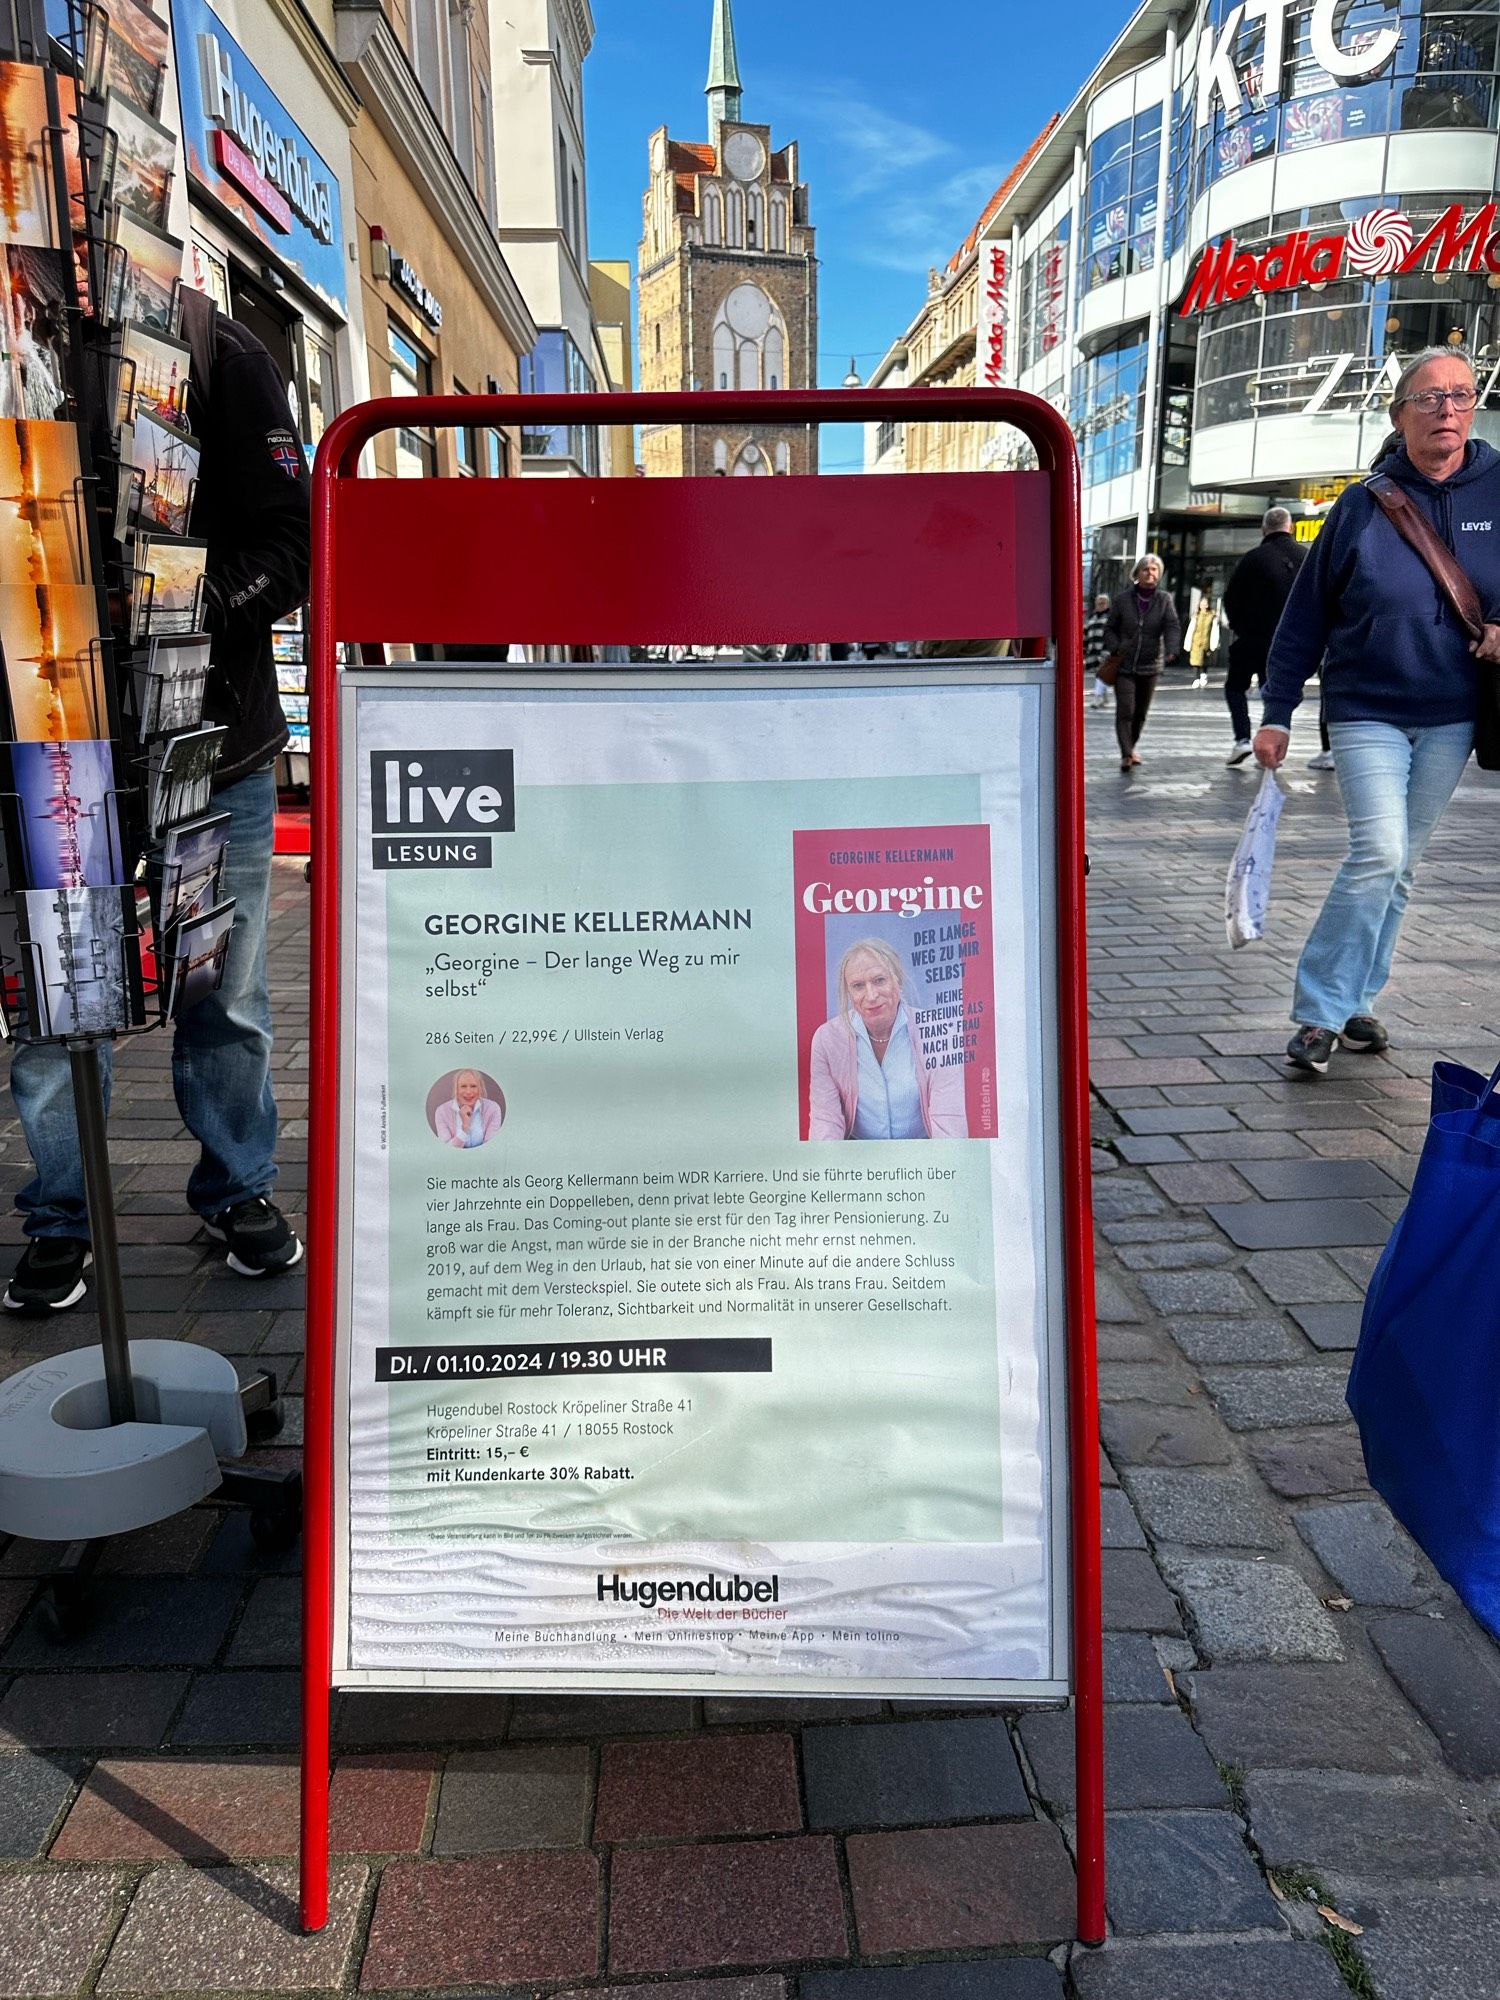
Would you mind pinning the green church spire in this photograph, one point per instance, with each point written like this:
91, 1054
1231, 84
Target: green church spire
723, 85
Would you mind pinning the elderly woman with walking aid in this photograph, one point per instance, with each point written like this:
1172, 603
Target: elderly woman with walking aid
1398, 664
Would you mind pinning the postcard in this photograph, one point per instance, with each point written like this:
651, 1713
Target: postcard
152, 376
191, 872
33, 333
81, 968
127, 54
172, 685
166, 590
145, 270
49, 634
144, 156
294, 708
182, 776
165, 465
26, 209
41, 529
198, 968
61, 804
291, 677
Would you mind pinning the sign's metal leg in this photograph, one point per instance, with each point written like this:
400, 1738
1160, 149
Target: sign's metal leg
93, 1145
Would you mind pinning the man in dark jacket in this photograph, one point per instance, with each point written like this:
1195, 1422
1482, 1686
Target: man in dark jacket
1145, 630
252, 508
1253, 602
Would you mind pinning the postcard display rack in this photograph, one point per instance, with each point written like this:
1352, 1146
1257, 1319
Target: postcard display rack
112, 916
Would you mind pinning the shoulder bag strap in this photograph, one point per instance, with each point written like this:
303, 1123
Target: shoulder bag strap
1447, 572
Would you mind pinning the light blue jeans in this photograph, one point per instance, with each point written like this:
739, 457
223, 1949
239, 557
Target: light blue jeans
1395, 783
221, 1056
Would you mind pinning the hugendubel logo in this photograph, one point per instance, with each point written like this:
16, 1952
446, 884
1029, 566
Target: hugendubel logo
1381, 244
646, 1593
438, 808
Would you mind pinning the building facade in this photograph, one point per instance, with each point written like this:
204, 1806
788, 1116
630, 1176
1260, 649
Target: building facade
1222, 251
538, 50
728, 282
443, 313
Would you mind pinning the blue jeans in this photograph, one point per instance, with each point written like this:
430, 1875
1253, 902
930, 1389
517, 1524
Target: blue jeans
1395, 783
221, 1056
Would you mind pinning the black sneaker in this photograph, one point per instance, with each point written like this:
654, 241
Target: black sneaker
49, 1277
1364, 1034
1311, 1048
259, 1236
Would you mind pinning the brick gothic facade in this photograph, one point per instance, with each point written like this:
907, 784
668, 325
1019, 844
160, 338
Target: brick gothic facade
728, 284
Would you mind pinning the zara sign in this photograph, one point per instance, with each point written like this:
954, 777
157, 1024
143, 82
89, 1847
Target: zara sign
1217, 75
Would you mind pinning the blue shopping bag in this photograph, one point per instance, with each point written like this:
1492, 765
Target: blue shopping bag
1425, 1385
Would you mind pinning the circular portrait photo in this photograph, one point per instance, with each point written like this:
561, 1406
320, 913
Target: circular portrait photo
466, 1109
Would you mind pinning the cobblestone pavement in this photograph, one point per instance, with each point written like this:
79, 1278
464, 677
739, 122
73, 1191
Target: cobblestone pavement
1291, 1689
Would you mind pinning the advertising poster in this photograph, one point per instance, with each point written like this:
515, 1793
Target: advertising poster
700, 1315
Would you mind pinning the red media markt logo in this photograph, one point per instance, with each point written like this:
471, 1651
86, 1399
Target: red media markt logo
1380, 244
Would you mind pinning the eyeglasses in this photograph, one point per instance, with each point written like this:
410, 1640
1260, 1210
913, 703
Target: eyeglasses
1430, 401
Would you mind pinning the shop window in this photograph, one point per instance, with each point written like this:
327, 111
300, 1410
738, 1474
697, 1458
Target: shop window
1119, 224
1109, 409
467, 443
555, 366
316, 387
411, 375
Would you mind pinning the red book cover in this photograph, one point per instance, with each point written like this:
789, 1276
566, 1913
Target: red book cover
895, 958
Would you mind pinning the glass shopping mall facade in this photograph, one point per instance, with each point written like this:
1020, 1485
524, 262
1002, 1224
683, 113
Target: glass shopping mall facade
1230, 241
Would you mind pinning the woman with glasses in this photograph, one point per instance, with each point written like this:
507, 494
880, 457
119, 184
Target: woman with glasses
1400, 686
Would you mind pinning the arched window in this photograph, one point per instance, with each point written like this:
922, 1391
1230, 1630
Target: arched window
755, 228
713, 214
778, 222
724, 356
752, 463
749, 341
734, 218
721, 455
783, 456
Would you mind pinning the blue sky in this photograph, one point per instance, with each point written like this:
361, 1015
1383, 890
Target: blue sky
908, 120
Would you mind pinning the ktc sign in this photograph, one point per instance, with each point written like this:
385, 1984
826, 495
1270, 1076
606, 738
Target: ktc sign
994, 315
1381, 244
1217, 75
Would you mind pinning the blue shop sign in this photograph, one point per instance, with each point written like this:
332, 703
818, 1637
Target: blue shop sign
240, 144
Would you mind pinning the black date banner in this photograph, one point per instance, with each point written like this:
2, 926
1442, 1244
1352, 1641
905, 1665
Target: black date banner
659, 1357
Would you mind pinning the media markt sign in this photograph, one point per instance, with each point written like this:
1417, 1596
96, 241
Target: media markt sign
1380, 244
244, 148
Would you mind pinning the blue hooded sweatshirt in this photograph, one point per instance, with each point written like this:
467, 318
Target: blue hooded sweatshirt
1367, 607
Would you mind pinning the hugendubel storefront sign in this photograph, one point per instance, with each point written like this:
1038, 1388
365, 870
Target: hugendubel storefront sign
1380, 244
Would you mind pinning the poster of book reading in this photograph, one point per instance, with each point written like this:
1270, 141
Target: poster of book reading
700, 1321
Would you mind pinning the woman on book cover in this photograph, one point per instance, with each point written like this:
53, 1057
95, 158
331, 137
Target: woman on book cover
870, 1078
471, 1117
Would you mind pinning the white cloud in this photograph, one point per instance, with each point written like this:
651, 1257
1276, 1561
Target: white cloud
899, 184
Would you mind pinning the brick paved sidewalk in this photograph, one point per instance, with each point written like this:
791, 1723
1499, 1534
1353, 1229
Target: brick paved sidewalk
1290, 1687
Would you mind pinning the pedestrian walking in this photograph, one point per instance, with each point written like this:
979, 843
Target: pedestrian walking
1203, 636
1399, 681
1143, 632
252, 508
1254, 599
1094, 648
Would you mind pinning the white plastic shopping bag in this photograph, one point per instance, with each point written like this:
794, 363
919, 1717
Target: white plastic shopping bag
1248, 888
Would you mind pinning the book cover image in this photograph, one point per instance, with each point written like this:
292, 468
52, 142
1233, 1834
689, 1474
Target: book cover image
895, 957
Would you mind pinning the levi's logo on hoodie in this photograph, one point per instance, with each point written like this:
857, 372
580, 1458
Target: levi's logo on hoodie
1475, 527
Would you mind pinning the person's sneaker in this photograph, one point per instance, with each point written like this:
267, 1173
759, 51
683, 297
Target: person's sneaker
1240, 752
1311, 1048
259, 1236
49, 1277
1364, 1034
1322, 762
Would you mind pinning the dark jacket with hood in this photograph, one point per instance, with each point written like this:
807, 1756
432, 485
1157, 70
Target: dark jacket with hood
252, 508
1367, 608
1255, 597
1143, 642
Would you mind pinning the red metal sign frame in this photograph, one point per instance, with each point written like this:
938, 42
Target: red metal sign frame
458, 562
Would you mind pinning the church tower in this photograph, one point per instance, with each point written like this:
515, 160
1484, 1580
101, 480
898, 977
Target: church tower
728, 282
